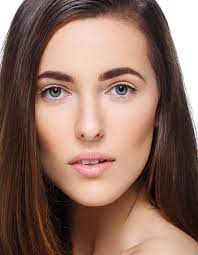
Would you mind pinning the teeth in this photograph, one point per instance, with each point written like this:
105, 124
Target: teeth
88, 162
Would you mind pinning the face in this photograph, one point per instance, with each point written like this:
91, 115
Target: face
113, 114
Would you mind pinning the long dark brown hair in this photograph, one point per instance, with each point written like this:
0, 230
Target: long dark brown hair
34, 213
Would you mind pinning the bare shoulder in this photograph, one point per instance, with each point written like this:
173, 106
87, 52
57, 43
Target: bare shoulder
147, 232
185, 246
169, 247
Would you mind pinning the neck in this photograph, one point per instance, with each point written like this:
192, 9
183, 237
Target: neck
98, 228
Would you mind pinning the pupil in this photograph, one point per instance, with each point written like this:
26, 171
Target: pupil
56, 90
122, 90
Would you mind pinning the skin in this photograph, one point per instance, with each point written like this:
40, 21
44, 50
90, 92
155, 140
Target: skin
68, 123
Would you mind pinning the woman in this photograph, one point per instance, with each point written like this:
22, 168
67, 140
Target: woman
63, 67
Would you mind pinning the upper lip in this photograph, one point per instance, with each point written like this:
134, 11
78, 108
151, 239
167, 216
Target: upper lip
91, 156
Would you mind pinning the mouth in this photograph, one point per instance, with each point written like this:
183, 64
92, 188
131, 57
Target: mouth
91, 158
91, 162
92, 169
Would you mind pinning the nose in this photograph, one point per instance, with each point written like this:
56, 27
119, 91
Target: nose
90, 136
89, 130
89, 125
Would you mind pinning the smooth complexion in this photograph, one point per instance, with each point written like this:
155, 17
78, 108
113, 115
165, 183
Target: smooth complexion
88, 103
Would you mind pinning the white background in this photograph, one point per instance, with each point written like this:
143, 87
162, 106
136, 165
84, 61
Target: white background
183, 21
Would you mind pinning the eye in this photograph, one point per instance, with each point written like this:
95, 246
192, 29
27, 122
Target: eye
53, 93
123, 90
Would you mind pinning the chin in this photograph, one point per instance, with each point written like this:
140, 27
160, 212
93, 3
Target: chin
94, 200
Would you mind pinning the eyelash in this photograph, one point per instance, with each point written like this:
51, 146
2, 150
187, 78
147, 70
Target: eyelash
125, 85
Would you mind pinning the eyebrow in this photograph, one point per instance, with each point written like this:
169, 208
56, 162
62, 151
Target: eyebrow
115, 72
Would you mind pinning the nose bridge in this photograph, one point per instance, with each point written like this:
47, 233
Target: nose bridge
89, 123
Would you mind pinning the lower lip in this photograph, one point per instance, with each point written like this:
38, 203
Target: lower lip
92, 170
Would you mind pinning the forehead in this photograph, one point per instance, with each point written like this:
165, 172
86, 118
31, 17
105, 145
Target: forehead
95, 44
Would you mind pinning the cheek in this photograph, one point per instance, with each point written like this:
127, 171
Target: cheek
44, 133
47, 131
51, 124
142, 119
48, 147
142, 126
134, 126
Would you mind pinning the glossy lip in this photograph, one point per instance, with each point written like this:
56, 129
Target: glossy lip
92, 170
91, 156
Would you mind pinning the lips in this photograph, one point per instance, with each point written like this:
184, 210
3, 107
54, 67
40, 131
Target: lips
91, 156
91, 162
92, 170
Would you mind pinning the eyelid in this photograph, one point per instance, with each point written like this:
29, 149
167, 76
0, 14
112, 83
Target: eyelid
123, 83
51, 85
54, 84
